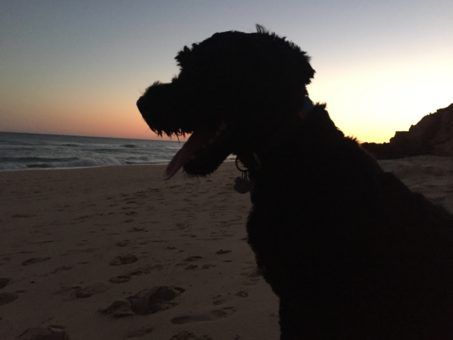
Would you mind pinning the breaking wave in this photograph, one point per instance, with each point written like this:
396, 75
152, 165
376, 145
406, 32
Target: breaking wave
33, 151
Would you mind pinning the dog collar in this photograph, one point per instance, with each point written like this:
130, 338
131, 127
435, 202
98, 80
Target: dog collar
252, 163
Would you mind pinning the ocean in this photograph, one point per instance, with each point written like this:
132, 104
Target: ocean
39, 151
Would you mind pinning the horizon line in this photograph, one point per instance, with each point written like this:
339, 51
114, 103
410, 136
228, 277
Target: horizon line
90, 136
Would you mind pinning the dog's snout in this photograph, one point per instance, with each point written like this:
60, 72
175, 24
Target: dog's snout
140, 104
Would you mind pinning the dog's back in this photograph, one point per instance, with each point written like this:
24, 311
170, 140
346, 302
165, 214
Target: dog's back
351, 252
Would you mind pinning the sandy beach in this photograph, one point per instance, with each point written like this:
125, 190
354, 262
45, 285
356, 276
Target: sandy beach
120, 253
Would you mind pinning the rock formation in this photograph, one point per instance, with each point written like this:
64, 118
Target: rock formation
432, 135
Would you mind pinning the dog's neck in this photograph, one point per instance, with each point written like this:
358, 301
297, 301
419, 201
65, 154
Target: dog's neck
307, 107
252, 160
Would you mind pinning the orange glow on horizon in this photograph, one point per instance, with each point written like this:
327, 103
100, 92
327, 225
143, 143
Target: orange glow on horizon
369, 101
69, 68
374, 100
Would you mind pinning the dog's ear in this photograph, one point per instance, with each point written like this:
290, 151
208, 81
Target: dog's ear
261, 29
294, 60
183, 56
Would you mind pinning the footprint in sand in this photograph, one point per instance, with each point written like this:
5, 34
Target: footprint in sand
185, 335
122, 243
61, 269
155, 299
118, 309
253, 276
4, 281
120, 279
34, 260
146, 269
219, 300
139, 332
123, 259
53, 332
208, 266
182, 226
86, 292
147, 301
192, 258
223, 251
191, 267
209, 316
43, 241
242, 293
6, 298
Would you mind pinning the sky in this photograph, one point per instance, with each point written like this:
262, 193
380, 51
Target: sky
78, 67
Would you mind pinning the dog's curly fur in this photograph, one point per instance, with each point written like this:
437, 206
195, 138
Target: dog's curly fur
349, 250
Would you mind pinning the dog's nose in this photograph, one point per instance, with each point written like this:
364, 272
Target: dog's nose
140, 104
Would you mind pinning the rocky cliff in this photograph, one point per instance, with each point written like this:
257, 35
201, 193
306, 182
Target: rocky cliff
432, 135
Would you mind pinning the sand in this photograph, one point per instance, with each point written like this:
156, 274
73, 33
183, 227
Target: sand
429, 175
120, 253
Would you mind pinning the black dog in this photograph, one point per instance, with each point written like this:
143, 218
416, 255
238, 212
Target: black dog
350, 251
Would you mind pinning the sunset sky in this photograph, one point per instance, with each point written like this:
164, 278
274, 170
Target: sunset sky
77, 67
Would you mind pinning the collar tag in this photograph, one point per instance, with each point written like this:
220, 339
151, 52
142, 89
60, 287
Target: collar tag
242, 184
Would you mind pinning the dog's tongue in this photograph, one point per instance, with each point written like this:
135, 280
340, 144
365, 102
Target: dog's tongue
194, 144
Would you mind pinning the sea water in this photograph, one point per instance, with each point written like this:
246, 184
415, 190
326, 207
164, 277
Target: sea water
39, 151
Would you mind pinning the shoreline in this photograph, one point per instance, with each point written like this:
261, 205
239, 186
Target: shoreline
158, 164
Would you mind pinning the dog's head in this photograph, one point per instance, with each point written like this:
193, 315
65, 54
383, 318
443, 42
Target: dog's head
232, 91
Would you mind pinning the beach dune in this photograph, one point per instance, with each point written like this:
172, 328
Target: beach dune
120, 253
